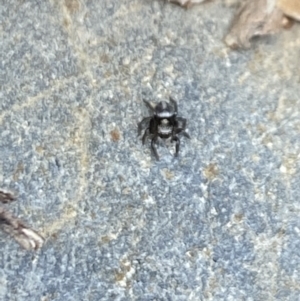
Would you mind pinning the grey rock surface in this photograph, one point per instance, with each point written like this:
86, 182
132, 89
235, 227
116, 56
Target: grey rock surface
221, 222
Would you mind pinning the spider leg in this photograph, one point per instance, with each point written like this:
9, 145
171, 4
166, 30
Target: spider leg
6, 197
146, 134
142, 123
148, 104
177, 141
173, 101
181, 129
182, 121
153, 147
185, 134
26, 237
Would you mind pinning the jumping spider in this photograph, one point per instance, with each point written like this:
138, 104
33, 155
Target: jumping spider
164, 123
26, 237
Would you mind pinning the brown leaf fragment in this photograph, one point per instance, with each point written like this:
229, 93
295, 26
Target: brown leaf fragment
26, 237
255, 18
6, 197
290, 8
287, 22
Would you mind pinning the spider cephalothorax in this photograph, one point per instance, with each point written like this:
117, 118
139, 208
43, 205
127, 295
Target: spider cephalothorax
164, 123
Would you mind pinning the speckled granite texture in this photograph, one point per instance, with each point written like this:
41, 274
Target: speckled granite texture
221, 222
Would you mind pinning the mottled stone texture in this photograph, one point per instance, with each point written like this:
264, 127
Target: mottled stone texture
221, 222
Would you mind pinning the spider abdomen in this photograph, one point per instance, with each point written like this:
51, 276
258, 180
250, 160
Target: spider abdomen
164, 128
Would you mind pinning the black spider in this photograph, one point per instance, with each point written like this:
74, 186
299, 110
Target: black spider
164, 123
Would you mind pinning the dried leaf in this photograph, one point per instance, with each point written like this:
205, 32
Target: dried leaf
291, 8
255, 18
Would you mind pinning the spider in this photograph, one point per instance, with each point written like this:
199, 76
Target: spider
25, 236
164, 123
